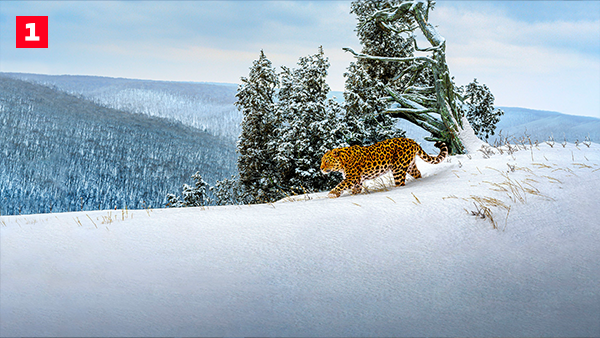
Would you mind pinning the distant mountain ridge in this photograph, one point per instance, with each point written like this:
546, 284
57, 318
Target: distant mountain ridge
542, 125
205, 106
209, 107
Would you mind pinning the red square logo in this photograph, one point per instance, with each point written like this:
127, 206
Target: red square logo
32, 32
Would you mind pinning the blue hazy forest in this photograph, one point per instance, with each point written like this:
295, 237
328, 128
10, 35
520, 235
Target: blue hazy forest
71, 143
61, 152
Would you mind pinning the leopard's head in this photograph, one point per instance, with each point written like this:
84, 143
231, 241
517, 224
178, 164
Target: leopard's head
331, 162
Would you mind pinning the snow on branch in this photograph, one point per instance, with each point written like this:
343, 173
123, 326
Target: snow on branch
418, 89
410, 111
403, 100
430, 49
418, 117
389, 59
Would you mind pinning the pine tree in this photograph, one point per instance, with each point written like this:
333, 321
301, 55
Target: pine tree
195, 196
366, 80
227, 191
309, 125
256, 101
481, 114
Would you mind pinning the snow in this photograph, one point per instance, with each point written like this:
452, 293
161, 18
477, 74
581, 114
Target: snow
408, 261
470, 141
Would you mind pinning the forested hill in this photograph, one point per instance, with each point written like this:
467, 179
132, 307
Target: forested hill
205, 106
59, 152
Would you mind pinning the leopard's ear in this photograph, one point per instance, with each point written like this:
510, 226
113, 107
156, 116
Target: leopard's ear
335, 152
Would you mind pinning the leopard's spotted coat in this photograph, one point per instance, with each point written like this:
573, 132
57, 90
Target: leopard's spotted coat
358, 163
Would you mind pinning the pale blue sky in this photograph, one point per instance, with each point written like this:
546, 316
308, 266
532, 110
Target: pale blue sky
533, 54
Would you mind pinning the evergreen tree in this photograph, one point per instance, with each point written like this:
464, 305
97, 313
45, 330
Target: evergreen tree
366, 80
421, 89
227, 192
481, 114
309, 125
195, 196
256, 101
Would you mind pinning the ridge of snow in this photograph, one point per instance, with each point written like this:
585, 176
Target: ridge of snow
470, 141
407, 261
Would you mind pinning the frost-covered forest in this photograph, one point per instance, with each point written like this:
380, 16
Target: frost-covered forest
64, 153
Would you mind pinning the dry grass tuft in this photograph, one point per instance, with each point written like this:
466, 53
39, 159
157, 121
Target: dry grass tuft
517, 191
569, 170
483, 205
415, 198
379, 184
108, 219
552, 179
88, 216
581, 165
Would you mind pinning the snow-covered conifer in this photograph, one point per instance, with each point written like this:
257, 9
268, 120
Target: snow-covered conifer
227, 192
481, 114
173, 201
256, 101
309, 125
420, 88
366, 80
195, 196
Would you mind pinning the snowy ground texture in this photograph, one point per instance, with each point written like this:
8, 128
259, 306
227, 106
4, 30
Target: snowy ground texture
409, 261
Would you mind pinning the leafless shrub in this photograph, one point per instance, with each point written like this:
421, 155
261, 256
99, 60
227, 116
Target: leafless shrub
486, 151
550, 141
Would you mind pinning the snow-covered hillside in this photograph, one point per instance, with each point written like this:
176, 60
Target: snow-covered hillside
408, 261
206, 106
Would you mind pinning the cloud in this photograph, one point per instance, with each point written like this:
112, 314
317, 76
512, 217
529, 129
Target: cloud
536, 64
541, 55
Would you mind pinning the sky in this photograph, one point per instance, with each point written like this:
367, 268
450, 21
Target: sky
531, 54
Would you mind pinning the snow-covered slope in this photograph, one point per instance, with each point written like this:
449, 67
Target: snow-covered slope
408, 261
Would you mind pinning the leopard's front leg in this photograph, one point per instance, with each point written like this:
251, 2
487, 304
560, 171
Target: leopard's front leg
349, 182
357, 188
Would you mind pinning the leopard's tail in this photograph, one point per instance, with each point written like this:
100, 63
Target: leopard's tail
434, 160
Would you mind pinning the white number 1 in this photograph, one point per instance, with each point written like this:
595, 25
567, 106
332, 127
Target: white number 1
31, 37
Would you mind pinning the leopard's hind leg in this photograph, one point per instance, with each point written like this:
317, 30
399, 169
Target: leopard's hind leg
413, 170
399, 176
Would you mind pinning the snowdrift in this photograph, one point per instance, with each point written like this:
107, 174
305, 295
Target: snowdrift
490, 244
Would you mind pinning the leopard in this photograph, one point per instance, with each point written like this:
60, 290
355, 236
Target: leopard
359, 163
